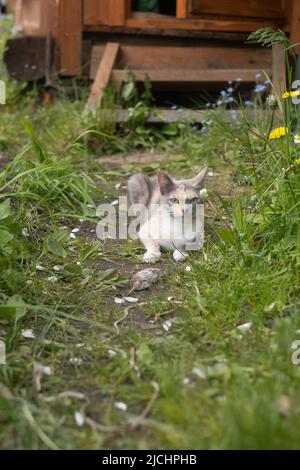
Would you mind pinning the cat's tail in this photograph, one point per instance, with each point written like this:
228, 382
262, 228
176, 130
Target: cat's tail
139, 190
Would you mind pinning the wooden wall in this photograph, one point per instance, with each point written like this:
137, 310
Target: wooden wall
106, 12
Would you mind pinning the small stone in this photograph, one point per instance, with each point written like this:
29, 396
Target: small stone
142, 280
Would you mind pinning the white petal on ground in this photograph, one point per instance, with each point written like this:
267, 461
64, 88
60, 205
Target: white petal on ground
121, 406
42, 370
245, 327
199, 373
75, 361
40, 268
79, 418
28, 334
115, 203
75, 230
118, 186
25, 232
119, 301
188, 269
72, 236
58, 268
131, 300
29, 282
53, 279
111, 353
167, 325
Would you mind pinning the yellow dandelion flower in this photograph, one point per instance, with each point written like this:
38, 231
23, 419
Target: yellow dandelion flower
278, 132
290, 94
297, 161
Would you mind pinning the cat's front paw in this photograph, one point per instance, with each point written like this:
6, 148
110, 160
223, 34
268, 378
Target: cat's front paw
179, 256
151, 257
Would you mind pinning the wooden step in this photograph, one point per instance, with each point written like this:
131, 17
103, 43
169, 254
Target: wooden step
192, 75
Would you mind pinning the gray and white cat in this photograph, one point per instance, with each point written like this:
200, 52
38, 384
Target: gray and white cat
170, 205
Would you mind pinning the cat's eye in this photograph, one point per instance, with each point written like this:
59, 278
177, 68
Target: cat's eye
174, 201
192, 201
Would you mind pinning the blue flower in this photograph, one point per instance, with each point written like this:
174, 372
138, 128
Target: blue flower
259, 88
223, 93
248, 103
230, 90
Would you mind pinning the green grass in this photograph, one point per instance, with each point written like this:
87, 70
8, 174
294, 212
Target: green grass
203, 384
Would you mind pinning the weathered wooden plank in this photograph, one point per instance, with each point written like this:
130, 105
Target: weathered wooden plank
103, 75
279, 69
254, 8
152, 21
182, 8
293, 12
107, 12
193, 57
186, 76
69, 36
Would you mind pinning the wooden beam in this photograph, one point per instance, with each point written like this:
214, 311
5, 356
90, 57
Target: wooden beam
182, 10
106, 12
169, 57
103, 75
268, 9
293, 12
279, 69
69, 36
152, 21
189, 75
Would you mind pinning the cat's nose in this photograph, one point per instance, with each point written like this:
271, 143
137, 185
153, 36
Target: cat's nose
184, 210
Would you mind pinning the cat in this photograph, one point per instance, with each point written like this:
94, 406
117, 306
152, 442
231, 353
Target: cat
170, 204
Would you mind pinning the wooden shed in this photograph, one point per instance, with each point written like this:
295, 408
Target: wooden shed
180, 41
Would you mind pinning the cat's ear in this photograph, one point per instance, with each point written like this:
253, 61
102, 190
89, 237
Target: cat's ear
165, 182
199, 181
